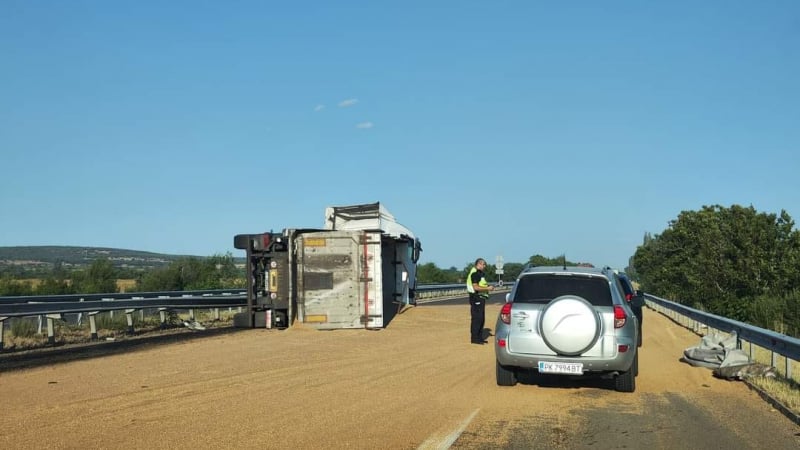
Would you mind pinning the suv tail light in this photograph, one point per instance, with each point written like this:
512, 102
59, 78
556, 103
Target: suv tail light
619, 317
505, 313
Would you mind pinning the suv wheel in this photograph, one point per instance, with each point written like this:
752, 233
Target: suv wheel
639, 344
505, 376
626, 381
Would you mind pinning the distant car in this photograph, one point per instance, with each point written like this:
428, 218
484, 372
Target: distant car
571, 321
634, 298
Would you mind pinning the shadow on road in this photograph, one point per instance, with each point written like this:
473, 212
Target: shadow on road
27, 359
532, 377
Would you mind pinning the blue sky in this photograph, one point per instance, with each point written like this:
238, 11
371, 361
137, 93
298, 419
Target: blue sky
487, 128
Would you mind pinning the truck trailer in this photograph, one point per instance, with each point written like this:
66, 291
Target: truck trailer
358, 271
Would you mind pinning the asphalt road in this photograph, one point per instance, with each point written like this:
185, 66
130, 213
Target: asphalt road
416, 384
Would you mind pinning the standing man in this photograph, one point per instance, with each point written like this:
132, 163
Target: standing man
478, 290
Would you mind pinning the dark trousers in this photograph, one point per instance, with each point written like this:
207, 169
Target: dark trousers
477, 311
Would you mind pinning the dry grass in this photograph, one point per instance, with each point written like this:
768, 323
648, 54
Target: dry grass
785, 389
108, 328
123, 285
764, 356
786, 392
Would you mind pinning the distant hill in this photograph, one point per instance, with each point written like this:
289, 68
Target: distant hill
44, 257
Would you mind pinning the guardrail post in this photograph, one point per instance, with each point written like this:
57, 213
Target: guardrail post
80, 316
162, 313
51, 332
129, 317
2, 324
216, 314
191, 315
93, 325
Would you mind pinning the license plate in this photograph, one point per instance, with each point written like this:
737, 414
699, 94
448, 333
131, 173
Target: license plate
558, 367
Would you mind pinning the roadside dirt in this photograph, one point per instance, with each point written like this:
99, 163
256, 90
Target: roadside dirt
407, 386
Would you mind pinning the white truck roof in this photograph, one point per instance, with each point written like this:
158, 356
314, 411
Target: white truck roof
371, 216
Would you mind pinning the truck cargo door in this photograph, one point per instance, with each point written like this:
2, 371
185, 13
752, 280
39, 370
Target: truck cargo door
339, 279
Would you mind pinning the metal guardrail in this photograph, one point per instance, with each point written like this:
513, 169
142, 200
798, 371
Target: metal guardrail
35, 309
20, 306
116, 296
428, 291
776, 343
54, 306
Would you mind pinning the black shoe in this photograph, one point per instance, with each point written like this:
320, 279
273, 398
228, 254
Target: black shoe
477, 342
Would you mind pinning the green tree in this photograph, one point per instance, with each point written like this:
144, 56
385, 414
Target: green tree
56, 283
11, 287
511, 270
721, 259
791, 313
453, 275
189, 274
539, 260
50, 285
428, 273
100, 277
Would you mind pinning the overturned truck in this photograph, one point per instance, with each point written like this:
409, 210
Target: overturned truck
358, 271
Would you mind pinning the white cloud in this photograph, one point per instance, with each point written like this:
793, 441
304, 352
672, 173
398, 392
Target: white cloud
319, 108
348, 102
365, 125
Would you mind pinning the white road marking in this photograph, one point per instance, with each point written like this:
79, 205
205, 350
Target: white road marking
433, 442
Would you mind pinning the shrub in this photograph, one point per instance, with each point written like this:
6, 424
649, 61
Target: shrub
117, 322
23, 328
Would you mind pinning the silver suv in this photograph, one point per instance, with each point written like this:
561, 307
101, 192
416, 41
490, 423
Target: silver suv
568, 321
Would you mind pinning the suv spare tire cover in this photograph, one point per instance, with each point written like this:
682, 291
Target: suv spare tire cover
569, 325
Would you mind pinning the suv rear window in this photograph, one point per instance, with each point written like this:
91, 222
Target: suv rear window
543, 288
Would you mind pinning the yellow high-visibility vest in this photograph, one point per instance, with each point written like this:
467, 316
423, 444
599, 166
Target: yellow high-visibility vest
481, 283
470, 289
